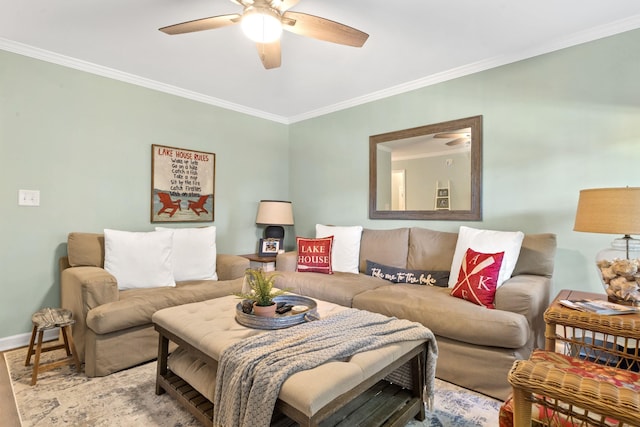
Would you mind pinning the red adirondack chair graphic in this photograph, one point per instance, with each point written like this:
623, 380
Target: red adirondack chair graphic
168, 205
198, 207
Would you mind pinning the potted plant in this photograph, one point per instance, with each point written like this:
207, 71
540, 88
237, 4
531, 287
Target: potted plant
258, 287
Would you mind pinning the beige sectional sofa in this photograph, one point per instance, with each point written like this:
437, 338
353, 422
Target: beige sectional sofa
477, 346
113, 328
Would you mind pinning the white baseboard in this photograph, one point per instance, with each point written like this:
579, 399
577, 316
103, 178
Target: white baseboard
22, 340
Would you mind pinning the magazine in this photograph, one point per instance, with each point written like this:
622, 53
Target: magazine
599, 306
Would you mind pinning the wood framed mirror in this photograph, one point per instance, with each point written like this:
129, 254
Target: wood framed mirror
431, 172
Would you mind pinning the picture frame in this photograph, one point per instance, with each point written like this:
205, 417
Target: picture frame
182, 184
269, 247
442, 203
443, 192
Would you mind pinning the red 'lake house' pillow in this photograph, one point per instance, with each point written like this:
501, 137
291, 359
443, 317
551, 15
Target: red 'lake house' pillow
314, 255
478, 277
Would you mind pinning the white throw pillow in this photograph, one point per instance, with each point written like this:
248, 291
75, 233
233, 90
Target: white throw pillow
487, 241
194, 253
139, 259
345, 254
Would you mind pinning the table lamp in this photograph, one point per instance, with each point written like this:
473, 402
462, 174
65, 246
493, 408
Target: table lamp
614, 211
274, 214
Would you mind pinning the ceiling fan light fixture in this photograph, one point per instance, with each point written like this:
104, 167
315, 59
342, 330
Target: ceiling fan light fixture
261, 24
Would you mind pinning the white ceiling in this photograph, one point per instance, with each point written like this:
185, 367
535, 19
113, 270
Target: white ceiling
412, 43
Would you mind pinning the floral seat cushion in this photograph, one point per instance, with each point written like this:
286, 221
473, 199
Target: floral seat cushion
546, 414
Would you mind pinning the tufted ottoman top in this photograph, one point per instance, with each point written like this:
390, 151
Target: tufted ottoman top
210, 327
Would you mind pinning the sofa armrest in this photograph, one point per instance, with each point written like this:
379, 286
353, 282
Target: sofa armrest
81, 289
231, 267
526, 294
287, 261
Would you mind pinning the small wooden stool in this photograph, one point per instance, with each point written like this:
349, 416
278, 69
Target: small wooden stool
49, 318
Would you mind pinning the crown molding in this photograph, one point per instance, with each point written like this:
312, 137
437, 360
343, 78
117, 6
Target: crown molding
78, 64
617, 27
620, 26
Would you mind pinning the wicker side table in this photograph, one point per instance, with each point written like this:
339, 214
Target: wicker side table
49, 318
609, 340
570, 391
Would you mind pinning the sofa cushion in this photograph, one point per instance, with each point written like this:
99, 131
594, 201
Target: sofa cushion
402, 275
193, 255
346, 246
389, 247
85, 249
136, 306
314, 255
487, 241
447, 316
339, 288
139, 259
537, 255
478, 277
430, 250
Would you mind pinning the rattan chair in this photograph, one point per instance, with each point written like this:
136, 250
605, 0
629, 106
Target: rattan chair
587, 376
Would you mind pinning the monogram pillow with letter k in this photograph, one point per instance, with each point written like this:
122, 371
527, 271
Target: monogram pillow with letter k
478, 277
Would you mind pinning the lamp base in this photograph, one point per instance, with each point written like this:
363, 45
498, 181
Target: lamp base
274, 232
618, 267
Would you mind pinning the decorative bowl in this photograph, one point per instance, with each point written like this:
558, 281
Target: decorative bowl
280, 321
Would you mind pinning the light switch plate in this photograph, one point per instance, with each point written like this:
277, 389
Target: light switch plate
29, 197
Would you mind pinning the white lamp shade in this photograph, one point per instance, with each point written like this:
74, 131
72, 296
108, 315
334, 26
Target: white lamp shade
261, 25
275, 212
609, 211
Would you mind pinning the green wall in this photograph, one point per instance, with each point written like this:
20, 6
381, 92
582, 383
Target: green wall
85, 142
553, 125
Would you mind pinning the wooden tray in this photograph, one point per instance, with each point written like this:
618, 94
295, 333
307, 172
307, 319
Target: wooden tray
280, 320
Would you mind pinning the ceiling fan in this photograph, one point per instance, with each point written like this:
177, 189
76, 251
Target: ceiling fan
457, 138
263, 22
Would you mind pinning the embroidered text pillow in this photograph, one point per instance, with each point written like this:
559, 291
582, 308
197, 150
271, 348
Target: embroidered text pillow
478, 277
414, 277
314, 255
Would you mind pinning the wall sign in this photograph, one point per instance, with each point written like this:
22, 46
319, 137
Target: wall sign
182, 184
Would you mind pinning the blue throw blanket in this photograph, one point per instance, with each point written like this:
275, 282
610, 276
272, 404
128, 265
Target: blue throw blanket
251, 372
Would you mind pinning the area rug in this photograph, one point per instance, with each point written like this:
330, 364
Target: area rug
63, 397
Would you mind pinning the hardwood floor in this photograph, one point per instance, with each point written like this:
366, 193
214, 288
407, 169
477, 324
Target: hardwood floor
8, 412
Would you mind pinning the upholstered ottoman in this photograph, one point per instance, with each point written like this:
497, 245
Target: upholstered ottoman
204, 330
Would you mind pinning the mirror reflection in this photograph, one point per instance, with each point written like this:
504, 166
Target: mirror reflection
429, 172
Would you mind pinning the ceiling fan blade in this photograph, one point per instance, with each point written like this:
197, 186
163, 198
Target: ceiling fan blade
457, 134
324, 29
270, 54
458, 141
202, 24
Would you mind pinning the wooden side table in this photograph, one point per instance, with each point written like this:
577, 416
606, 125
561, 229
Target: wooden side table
49, 318
266, 263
